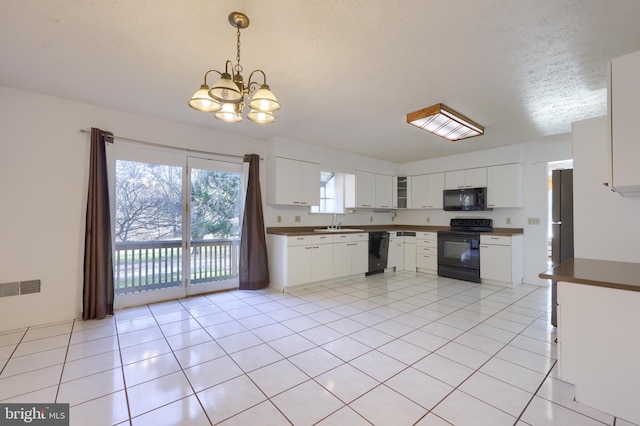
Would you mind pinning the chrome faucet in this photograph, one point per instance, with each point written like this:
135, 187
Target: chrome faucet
333, 221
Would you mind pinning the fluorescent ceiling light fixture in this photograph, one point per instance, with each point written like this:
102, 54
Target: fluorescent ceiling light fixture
445, 122
227, 98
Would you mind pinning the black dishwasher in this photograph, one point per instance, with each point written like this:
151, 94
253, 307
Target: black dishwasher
378, 252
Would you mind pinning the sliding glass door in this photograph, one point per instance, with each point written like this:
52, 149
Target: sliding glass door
215, 214
176, 226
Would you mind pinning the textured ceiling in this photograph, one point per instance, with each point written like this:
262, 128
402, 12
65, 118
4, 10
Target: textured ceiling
346, 72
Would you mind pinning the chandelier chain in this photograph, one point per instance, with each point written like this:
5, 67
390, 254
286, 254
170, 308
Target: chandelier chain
238, 67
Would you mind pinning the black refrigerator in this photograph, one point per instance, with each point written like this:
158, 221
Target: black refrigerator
561, 227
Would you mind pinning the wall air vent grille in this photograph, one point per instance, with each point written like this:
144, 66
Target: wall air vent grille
10, 289
17, 288
31, 286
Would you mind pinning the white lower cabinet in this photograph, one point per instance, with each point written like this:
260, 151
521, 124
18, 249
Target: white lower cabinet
410, 254
305, 259
298, 266
427, 251
501, 259
360, 254
350, 254
395, 259
342, 255
322, 258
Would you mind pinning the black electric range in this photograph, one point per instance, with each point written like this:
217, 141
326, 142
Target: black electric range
459, 248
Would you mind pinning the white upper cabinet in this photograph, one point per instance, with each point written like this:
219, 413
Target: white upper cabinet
426, 191
469, 178
293, 182
384, 191
369, 190
504, 186
624, 139
419, 192
435, 186
365, 189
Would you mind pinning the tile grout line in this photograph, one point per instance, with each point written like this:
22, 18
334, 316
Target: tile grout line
124, 379
64, 362
535, 393
14, 350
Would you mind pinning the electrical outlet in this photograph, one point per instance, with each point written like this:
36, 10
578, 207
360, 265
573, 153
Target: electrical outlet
533, 221
297, 219
428, 219
279, 219
508, 221
371, 219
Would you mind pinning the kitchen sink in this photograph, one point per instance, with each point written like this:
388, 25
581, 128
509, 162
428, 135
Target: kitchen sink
338, 230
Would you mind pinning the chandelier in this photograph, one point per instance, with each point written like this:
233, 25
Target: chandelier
226, 99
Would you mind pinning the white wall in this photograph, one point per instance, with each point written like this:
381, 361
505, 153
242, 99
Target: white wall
43, 186
534, 157
605, 223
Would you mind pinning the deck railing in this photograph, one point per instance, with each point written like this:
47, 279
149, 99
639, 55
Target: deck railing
143, 266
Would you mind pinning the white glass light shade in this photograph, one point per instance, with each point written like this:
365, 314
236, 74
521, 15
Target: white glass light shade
203, 102
230, 113
261, 117
264, 100
225, 90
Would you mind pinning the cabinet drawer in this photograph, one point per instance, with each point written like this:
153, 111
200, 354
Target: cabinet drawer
301, 240
426, 261
341, 238
431, 251
427, 235
322, 239
362, 236
427, 243
498, 240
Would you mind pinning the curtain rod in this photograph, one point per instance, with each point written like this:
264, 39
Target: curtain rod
158, 145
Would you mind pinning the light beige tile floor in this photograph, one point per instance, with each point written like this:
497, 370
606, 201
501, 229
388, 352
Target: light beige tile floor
394, 349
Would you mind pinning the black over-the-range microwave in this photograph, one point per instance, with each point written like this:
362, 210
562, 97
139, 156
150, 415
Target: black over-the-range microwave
465, 199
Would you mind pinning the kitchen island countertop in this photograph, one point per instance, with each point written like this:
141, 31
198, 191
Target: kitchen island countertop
601, 273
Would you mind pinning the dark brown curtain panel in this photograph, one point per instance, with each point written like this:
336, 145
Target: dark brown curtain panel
254, 268
97, 297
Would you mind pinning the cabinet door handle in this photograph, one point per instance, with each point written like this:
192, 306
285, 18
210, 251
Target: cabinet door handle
481, 246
